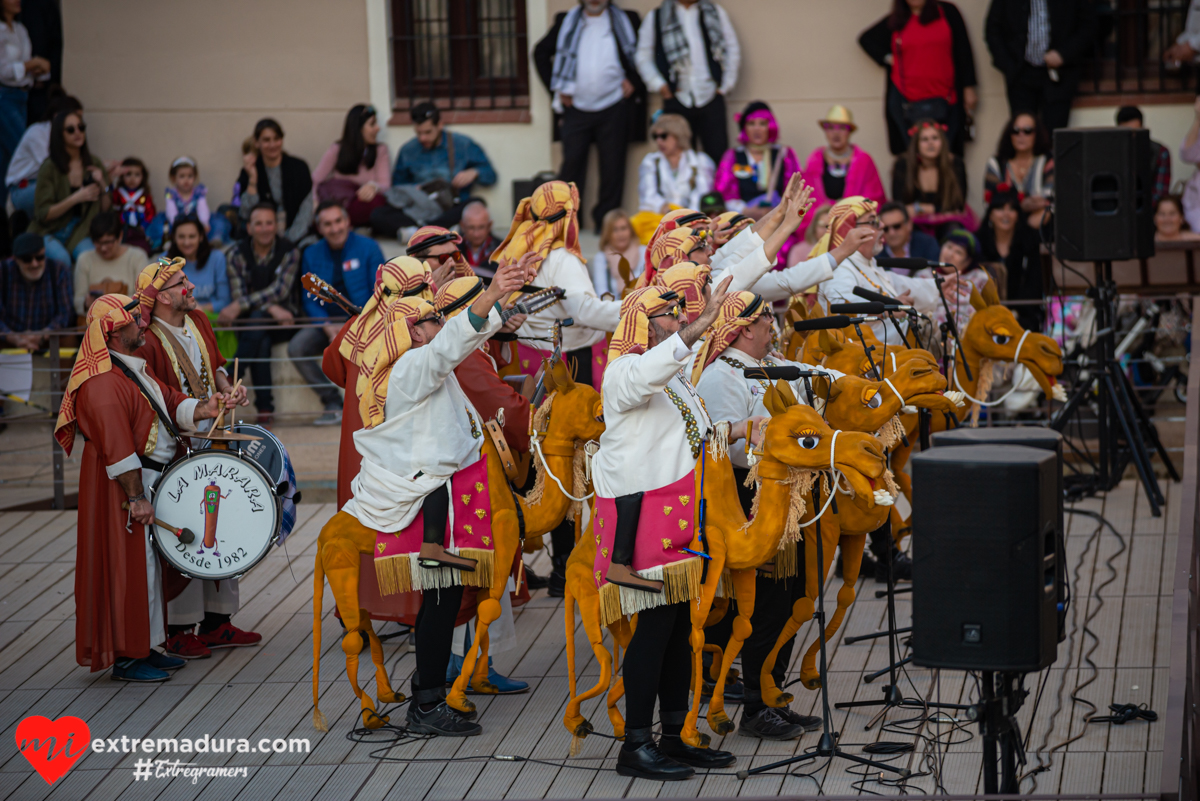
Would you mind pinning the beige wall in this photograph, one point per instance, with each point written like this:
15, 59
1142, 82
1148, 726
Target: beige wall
163, 78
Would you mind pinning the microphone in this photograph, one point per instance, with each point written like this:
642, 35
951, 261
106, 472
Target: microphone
911, 264
786, 372
889, 303
874, 307
836, 321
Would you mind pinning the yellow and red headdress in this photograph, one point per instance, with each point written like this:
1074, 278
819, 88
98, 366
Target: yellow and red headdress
152, 278
843, 217
669, 249
546, 220
375, 369
457, 295
688, 280
739, 310
402, 277
107, 314
732, 222
431, 236
633, 331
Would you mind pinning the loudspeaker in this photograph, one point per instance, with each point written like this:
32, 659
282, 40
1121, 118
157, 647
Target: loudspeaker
1046, 439
984, 558
1102, 191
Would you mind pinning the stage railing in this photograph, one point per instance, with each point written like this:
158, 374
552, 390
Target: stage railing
1181, 742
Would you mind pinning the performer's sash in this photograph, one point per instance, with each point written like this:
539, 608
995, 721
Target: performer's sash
468, 534
668, 524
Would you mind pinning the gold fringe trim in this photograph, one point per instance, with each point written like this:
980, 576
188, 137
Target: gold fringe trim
890, 481
610, 604
681, 582
891, 434
394, 574
801, 484
485, 567
579, 480
987, 376
719, 441
535, 495
786, 563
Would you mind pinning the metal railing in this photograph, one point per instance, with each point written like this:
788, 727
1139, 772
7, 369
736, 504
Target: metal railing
1128, 54
1181, 743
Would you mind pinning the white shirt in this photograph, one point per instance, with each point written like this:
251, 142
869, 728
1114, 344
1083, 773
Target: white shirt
747, 261
729, 395
859, 271
645, 444
1191, 30
683, 186
604, 280
696, 88
431, 428
593, 317
33, 149
15, 50
598, 72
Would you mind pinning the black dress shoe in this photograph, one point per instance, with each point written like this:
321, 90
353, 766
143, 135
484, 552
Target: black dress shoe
534, 581
809, 722
441, 720
769, 724
556, 585
705, 758
648, 761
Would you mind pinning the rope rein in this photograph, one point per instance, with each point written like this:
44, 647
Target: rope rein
537, 447
1015, 359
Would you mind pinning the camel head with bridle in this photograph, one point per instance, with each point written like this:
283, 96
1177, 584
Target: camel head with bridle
994, 335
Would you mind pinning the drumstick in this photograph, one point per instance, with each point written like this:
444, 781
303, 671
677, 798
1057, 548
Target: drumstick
185, 535
221, 413
233, 413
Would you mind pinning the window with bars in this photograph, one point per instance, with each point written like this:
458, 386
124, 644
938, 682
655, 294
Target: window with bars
1127, 61
468, 55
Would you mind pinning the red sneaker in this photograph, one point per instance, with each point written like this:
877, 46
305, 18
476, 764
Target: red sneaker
186, 646
229, 636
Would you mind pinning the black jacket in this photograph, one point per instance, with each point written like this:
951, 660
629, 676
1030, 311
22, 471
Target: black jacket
877, 42
543, 61
1072, 33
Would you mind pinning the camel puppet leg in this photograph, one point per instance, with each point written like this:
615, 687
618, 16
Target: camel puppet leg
383, 685
802, 612
589, 611
621, 632
504, 527
852, 556
743, 587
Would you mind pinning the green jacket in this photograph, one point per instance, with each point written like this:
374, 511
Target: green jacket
54, 187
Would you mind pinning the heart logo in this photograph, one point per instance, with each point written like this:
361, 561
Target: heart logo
52, 746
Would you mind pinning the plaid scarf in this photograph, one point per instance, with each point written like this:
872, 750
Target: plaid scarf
566, 52
674, 42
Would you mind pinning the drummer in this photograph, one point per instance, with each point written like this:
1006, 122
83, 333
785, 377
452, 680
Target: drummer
181, 349
129, 419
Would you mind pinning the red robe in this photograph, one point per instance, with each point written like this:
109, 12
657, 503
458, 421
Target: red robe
159, 363
488, 393
112, 618
344, 373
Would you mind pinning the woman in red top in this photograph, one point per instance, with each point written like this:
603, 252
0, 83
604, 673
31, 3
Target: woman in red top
931, 69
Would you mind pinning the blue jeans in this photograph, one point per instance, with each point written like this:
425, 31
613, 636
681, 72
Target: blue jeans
12, 127
58, 251
22, 197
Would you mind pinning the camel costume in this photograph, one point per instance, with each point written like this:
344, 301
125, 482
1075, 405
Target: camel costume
180, 356
119, 611
861, 271
546, 224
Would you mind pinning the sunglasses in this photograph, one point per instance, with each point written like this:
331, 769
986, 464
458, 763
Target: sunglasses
433, 318
34, 259
72, 128
661, 135
442, 258
671, 312
894, 227
1023, 131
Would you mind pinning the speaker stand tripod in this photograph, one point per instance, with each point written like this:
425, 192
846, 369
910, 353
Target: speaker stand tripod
1118, 412
997, 716
827, 746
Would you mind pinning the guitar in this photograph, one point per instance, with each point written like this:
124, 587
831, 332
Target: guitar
325, 293
535, 302
539, 392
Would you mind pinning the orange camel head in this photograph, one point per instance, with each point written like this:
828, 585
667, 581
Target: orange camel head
798, 437
846, 355
994, 333
859, 404
578, 414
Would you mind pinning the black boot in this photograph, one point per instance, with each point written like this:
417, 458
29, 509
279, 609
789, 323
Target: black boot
620, 570
641, 758
674, 747
428, 713
534, 581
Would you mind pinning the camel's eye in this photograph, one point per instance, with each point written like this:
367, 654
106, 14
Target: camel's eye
808, 439
1001, 339
871, 398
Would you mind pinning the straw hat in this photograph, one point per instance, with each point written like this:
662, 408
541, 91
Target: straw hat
839, 115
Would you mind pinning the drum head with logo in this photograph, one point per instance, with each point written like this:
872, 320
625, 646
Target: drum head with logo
271, 455
230, 506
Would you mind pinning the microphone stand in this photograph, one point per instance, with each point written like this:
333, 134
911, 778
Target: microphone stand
950, 321
867, 349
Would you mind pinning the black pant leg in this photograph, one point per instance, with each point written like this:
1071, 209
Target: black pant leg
435, 511
795, 592
577, 132
387, 220
1025, 90
434, 634
254, 349
643, 662
676, 667
1057, 97
611, 147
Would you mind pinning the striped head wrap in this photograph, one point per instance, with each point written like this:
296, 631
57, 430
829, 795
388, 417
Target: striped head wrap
402, 277
669, 249
544, 221
843, 217
152, 278
731, 222
107, 314
739, 310
432, 236
457, 295
394, 341
633, 331
673, 220
688, 279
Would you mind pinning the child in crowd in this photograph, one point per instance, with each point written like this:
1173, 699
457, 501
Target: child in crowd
132, 199
186, 197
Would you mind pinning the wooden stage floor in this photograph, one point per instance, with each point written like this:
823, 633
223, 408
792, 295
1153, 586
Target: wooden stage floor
266, 691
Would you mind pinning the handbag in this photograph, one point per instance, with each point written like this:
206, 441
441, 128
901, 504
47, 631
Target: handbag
339, 190
439, 189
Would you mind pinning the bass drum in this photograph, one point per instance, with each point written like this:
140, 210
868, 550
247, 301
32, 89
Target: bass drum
229, 504
269, 454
